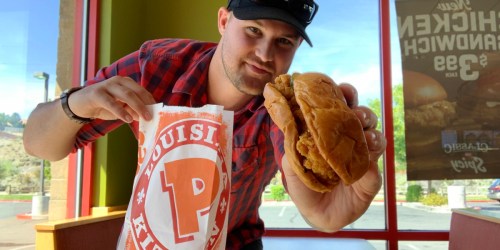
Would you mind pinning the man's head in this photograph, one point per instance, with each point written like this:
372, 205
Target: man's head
297, 13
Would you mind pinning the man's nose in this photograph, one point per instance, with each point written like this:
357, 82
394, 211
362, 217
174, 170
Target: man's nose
265, 50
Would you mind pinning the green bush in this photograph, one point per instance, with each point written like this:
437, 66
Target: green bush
434, 200
278, 192
413, 193
6, 169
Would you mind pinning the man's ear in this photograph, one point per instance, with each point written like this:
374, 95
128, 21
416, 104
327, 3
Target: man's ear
223, 18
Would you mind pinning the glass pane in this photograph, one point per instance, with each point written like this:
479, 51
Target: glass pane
438, 173
423, 245
379, 244
345, 36
28, 55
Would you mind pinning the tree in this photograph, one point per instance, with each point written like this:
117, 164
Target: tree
399, 125
7, 169
15, 120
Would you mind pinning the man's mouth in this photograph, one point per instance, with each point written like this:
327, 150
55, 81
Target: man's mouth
259, 68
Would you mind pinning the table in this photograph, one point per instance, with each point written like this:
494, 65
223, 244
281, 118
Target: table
474, 229
316, 243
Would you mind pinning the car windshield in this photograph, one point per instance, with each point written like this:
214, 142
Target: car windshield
495, 183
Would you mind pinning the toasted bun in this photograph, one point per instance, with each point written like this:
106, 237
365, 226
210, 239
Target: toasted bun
421, 89
335, 129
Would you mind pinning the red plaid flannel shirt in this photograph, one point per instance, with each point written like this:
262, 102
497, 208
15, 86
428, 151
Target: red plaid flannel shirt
176, 72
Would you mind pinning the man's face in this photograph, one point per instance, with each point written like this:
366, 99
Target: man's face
254, 52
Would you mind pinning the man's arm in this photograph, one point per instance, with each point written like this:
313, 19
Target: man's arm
50, 134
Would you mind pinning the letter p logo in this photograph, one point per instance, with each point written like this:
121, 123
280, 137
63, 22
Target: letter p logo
192, 184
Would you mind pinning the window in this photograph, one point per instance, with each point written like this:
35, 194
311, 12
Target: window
346, 47
28, 58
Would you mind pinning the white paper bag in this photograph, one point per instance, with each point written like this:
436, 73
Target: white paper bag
182, 187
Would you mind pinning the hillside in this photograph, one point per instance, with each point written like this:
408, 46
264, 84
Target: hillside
17, 168
12, 149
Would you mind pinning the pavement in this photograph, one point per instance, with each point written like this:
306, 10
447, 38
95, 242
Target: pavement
17, 226
17, 233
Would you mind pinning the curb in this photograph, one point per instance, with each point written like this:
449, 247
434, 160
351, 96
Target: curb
29, 216
437, 209
15, 201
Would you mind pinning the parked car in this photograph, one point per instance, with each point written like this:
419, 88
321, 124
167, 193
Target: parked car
494, 190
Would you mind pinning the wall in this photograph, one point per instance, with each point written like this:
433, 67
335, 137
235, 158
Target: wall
195, 19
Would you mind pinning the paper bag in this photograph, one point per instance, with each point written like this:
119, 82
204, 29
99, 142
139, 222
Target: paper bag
181, 190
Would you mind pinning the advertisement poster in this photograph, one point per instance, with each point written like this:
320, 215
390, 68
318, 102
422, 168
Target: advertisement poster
450, 53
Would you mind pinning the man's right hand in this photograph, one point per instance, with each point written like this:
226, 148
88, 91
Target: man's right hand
115, 98
49, 133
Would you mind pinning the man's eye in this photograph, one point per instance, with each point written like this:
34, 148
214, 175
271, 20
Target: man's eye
253, 30
285, 41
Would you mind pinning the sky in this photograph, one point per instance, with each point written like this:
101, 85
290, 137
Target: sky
345, 37
344, 34
28, 43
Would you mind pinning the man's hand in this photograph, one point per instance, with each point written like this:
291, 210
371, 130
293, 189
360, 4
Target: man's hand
331, 211
115, 98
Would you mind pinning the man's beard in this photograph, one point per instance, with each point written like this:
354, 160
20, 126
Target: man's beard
238, 80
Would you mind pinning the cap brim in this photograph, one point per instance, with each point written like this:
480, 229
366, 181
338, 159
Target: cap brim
263, 12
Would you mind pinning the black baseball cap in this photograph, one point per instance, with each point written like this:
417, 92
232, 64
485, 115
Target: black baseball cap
298, 13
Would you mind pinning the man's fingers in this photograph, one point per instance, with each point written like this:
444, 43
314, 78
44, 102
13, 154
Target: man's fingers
142, 93
367, 117
115, 98
376, 143
110, 108
131, 112
350, 94
135, 98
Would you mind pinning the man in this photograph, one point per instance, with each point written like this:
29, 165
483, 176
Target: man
258, 42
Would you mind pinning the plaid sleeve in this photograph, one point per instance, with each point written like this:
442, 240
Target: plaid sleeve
126, 66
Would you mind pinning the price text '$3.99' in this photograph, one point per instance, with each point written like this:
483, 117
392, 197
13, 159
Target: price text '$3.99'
463, 66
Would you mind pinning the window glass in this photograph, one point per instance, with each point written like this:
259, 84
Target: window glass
378, 244
28, 57
345, 37
434, 245
426, 203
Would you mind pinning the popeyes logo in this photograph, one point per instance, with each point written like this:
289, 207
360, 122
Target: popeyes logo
177, 187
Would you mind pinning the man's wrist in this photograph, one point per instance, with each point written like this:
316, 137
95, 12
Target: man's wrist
67, 110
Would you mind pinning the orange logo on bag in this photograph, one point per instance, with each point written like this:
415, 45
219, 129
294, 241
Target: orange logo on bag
177, 186
190, 175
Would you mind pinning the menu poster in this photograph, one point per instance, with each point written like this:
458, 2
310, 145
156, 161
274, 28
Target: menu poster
451, 83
